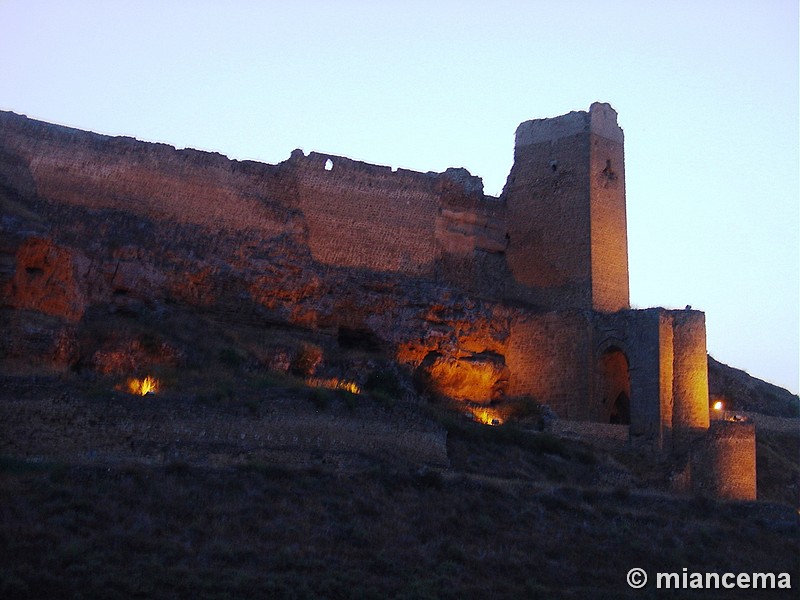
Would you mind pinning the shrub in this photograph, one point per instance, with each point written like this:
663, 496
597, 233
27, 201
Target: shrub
268, 470
523, 408
429, 478
17, 466
384, 383
230, 358
306, 361
321, 397
424, 385
149, 343
621, 492
177, 467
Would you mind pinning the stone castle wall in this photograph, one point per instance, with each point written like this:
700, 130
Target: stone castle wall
351, 215
312, 240
548, 358
436, 226
727, 460
690, 374
525, 294
366, 216
152, 181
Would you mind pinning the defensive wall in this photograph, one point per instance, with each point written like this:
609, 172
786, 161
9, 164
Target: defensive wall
728, 467
438, 226
526, 293
556, 240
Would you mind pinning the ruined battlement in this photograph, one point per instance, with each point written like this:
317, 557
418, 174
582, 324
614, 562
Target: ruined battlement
600, 120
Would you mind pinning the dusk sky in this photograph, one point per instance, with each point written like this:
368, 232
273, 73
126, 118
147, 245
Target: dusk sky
706, 91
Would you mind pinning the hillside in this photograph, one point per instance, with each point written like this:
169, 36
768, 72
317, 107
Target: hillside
741, 391
181, 493
515, 514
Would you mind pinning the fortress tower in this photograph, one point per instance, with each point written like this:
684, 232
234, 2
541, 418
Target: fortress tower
567, 227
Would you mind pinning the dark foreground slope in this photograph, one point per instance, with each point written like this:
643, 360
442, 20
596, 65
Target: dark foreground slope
515, 513
261, 531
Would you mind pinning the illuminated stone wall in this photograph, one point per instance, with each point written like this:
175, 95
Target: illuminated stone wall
155, 181
728, 464
366, 216
371, 217
608, 230
548, 357
566, 212
690, 375
639, 335
666, 352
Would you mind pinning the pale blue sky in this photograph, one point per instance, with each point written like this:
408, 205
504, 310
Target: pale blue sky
706, 90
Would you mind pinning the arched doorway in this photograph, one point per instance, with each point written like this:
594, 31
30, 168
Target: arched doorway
614, 386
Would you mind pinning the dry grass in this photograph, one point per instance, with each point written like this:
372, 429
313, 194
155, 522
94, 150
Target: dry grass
518, 514
262, 531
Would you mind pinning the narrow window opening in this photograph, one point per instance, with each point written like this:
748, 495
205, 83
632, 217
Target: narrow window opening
328, 164
608, 172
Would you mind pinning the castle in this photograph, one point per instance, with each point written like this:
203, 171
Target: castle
522, 294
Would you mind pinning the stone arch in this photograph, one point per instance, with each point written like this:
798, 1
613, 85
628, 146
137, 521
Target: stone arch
613, 385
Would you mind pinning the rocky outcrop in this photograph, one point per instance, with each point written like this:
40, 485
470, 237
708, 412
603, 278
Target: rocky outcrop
50, 279
32, 342
472, 377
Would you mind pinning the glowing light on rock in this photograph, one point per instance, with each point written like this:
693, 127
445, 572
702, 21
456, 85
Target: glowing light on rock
334, 383
142, 387
718, 405
485, 415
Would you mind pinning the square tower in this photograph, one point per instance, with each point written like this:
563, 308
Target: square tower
567, 227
